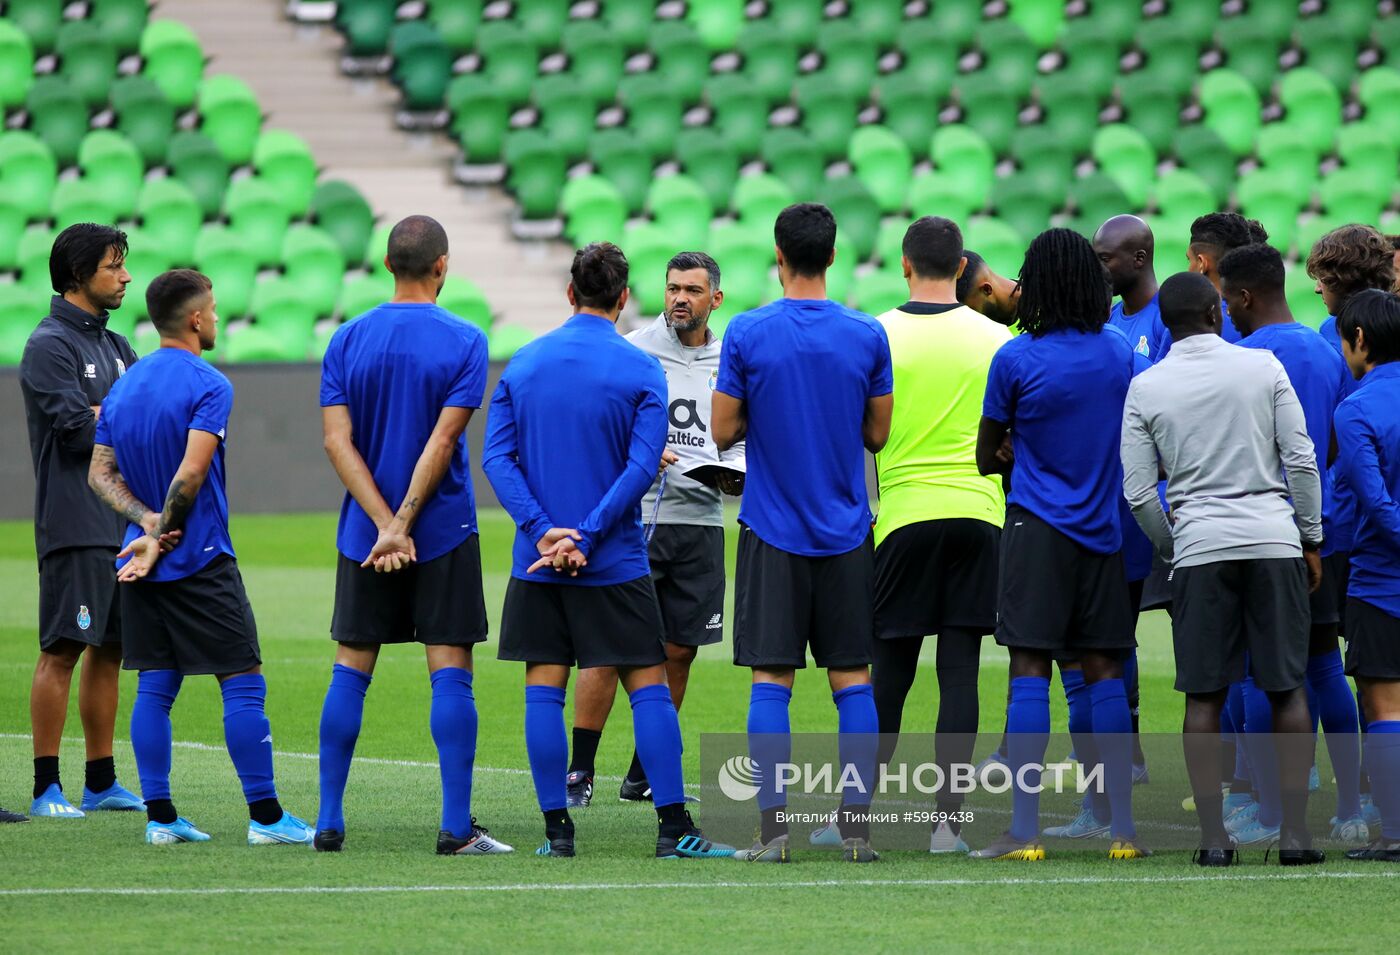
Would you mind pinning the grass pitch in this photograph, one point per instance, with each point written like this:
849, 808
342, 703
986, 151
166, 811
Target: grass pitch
93, 884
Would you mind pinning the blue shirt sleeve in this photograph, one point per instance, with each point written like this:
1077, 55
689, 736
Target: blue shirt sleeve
882, 375
1160, 341
731, 379
103, 434
999, 403
1358, 457
500, 459
332, 383
469, 387
212, 409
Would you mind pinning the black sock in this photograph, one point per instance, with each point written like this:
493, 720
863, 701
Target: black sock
265, 811
855, 822
772, 828
635, 773
1209, 808
1295, 811
558, 825
161, 810
1239, 787
585, 750
101, 774
45, 774
672, 819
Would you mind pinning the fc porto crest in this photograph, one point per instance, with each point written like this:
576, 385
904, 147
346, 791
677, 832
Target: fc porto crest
84, 618
714, 379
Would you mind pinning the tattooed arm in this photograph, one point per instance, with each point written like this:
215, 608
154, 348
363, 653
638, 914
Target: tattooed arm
105, 479
200, 448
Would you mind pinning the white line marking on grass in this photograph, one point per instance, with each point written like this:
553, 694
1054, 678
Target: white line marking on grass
687, 886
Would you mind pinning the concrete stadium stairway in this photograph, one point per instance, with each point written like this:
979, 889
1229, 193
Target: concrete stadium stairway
349, 124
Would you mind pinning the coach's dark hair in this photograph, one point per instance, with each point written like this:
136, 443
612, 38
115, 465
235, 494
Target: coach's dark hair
78, 251
685, 261
1063, 285
1257, 267
1227, 230
806, 235
1377, 312
933, 246
415, 245
1186, 299
1352, 258
969, 276
170, 294
599, 276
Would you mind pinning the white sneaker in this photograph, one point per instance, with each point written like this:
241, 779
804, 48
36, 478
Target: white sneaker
944, 839
479, 842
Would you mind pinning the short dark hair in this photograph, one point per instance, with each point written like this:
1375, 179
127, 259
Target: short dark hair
685, 261
1394, 241
933, 246
169, 295
1378, 313
1063, 285
1186, 298
415, 245
806, 235
1352, 258
1257, 267
1227, 230
969, 276
78, 251
598, 275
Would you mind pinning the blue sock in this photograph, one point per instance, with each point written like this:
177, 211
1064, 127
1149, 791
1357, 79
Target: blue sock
452, 721
656, 732
1113, 732
341, 715
248, 734
1232, 722
1383, 763
1263, 757
547, 744
770, 739
859, 729
1341, 725
150, 730
1081, 727
1027, 735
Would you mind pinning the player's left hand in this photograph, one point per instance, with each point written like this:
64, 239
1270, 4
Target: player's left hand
731, 484
1314, 561
144, 551
392, 552
564, 555
169, 540
668, 458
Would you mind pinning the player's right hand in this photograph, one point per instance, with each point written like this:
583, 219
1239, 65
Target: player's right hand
1314, 561
144, 551
545, 545
392, 552
668, 458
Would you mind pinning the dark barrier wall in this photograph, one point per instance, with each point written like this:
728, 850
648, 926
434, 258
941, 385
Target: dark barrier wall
275, 461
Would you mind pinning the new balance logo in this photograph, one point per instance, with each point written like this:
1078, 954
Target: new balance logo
715, 622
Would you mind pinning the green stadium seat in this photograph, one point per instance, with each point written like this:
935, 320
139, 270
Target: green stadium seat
840, 276
224, 256
170, 216
537, 169
256, 211
1231, 107
1128, 158
941, 194
883, 162
718, 22
626, 163
1271, 198
740, 112
377, 251
1347, 197
230, 116
1153, 109
682, 62
1040, 155
35, 244
653, 113
511, 58
1042, 20
279, 306
800, 20
1378, 90
963, 156
758, 198
1385, 37
1311, 103
1197, 17
745, 256
321, 339
13, 219
1368, 151
110, 161
930, 56
1355, 16
506, 340
681, 207
889, 242
315, 265
16, 65
360, 293
199, 163
1390, 223
1300, 291
339, 208
995, 241
58, 116
990, 109
958, 20
87, 60
1119, 21
39, 19
480, 116
144, 115
1096, 198
463, 299
910, 109
366, 24
828, 114
249, 344
457, 23
595, 58
422, 64
711, 161
28, 172
1309, 230
1330, 45
145, 259
1289, 150
568, 114
770, 60
1072, 114
1009, 58
648, 248
1182, 196
1199, 149
1273, 22
879, 291
171, 56
1092, 51
81, 200
1251, 46
145, 338
1173, 51
849, 56
857, 212
284, 161
543, 20
1021, 203
630, 20
791, 155
879, 19
593, 210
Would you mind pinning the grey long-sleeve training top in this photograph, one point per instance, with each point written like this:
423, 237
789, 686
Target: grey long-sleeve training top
1227, 426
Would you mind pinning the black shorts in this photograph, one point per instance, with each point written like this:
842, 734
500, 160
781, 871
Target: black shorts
1056, 595
1157, 588
199, 624
687, 569
437, 602
616, 625
78, 597
1222, 611
937, 574
1373, 642
1325, 604
784, 603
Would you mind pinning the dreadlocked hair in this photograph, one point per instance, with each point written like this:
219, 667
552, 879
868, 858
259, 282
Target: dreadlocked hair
1063, 285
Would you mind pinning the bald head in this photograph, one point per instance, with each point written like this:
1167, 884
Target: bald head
1124, 246
416, 245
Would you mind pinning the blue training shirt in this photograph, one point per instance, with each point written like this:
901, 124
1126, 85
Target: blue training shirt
1321, 379
1340, 526
1162, 340
146, 420
1143, 328
1368, 434
1137, 547
1062, 395
804, 369
574, 438
395, 368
